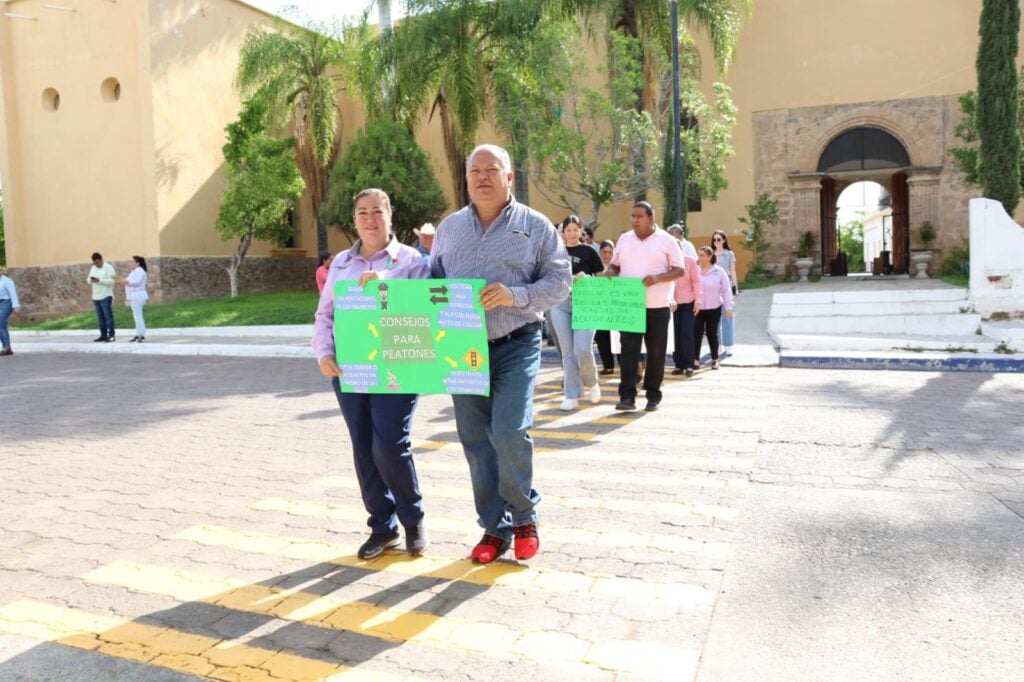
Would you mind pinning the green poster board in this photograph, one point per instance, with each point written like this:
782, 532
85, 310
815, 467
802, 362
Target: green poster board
618, 303
411, 336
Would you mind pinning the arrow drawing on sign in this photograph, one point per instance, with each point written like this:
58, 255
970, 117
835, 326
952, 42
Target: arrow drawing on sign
438, 299
451, 362
373, 329
443, 290
440, 335
372, 355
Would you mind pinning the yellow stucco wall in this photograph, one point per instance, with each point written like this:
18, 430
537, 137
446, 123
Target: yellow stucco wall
74, 178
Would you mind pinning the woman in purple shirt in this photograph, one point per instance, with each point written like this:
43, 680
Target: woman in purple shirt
715, 295
379, 424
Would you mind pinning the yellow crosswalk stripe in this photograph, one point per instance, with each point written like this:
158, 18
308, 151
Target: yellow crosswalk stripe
552, 534
645, 507
660, 479
440, 568
168, 648
387, 623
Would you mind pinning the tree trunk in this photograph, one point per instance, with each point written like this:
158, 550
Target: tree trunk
456, 154
236, 262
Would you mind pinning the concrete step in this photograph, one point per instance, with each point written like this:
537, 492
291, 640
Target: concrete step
885, 343
949, 324
1010, 334
905, 361
879, 308
876, 296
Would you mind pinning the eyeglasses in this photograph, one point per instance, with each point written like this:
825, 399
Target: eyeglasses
718, 239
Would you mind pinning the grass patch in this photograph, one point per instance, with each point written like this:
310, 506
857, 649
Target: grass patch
281, 307
761, 282
957, 280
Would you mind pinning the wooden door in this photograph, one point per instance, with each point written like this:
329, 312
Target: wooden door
829, 238
900, 223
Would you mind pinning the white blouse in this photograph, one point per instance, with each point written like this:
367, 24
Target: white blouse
135, 286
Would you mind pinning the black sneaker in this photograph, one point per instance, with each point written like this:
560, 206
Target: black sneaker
134, 339
142, 339
102, 339
416, 539
625, 405
689, 371
677, 371
377, 543
111, 338
652, 406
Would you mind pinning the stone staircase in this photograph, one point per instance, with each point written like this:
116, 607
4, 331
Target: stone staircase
878, 320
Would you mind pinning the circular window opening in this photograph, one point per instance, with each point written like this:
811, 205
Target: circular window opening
51, 99
110, 89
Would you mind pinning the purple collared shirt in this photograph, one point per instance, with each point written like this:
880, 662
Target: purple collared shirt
715, 290
395, 261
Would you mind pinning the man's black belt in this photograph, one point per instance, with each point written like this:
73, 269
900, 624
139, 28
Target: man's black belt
531, 328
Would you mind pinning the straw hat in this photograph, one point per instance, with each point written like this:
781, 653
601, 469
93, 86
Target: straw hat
425, 229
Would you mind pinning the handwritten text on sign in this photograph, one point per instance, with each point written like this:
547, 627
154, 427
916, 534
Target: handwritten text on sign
618, 303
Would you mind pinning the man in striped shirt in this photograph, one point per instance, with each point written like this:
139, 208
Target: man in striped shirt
526, 267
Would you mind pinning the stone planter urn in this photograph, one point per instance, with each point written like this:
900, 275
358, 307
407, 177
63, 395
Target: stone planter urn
920, 260
803, 267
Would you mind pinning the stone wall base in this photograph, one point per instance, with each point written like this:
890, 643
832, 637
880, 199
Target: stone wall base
54, 290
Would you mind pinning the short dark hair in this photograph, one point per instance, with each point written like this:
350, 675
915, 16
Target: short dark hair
646, 206
589, 231
570, 220
97, 256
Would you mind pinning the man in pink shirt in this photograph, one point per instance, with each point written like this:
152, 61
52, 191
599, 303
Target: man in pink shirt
651, 254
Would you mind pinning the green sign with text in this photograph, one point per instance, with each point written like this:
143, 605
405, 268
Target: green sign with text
614, 303
411, 336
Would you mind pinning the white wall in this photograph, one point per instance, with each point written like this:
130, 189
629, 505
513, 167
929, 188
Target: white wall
997, 260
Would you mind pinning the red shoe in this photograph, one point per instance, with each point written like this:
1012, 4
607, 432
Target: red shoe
527, 542
488, 549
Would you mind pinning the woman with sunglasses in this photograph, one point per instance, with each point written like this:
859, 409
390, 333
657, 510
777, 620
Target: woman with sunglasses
727, 261
577, 344
715, 297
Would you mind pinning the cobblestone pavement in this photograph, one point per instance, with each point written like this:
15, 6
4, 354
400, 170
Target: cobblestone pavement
164, 518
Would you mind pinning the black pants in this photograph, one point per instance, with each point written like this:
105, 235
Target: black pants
682, 325
707, 323
603, 337
656, 338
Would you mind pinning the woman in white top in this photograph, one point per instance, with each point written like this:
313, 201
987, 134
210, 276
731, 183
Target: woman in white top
727, 261
135, 295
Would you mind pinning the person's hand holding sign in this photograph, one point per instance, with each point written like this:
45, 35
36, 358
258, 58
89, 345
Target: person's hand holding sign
329, 367
367, 276
495, 295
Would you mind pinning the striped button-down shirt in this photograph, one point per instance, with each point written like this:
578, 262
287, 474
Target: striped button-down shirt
520, 249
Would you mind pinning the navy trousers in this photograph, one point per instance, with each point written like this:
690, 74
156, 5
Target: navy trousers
380, 427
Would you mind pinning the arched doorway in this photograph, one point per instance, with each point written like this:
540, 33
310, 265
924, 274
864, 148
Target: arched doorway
861, 154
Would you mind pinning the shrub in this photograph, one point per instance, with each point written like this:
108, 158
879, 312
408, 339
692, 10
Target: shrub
385, 155
760, 214
957, 261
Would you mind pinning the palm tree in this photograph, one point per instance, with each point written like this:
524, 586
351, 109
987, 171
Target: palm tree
295, 70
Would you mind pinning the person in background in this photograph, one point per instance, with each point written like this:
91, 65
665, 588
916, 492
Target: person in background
603, 337
715, 296
727, 261
425, 238
577, 345
102, 278
687, 246
321, 271
686, 297
9, 305
518, 252
379, 424
136, 295
588, 239
646, 252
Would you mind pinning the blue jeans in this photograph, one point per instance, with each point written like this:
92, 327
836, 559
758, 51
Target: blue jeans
577, 346
495, 436
727, 329
6, 308
105, 316
380, 426
682, 326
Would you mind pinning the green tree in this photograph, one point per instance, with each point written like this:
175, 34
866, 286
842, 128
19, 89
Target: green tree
851, 241
297, 71
587, 157
264, 183
760, 215
385, 155
996, 112
966, 157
